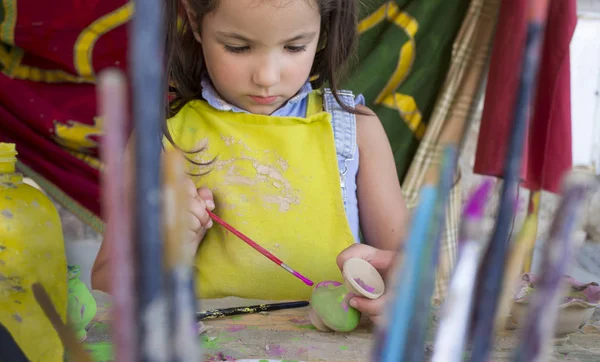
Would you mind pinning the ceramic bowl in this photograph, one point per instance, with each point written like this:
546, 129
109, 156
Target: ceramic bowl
575, 310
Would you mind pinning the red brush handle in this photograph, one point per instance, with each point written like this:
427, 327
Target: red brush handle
249, 241
259, 248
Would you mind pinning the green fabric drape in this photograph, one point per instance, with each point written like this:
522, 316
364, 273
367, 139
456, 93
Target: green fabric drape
404, 52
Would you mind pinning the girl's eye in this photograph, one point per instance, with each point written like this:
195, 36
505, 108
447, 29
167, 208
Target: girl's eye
295, 49
233, 49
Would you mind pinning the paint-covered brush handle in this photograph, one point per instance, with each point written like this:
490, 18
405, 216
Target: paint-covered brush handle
112, 100
226, 312
65, 333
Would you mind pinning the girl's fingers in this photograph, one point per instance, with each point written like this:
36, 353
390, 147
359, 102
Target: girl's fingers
372, 307
195, 224
198, 209
207, 196
361, 251
382, 260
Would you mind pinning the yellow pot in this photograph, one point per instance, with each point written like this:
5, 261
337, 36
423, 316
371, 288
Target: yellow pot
31, 250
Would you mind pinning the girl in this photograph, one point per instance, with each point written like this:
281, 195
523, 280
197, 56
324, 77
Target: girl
296, 169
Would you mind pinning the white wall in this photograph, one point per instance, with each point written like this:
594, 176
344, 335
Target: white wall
585, 90
588, 6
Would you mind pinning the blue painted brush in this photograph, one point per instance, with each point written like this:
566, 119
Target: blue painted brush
147, 65
541, 315
420, 319
492, 269
393, 339
456, 313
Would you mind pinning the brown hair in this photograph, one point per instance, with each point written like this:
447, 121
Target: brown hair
185, 62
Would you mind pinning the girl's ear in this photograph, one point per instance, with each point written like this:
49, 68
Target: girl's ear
192, 18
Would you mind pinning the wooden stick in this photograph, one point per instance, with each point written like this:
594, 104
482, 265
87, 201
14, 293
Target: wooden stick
490, 285
65, 333
149, 104
178, 263
175, 215
112, 98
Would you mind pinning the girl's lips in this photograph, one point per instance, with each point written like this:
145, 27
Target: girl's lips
263, 100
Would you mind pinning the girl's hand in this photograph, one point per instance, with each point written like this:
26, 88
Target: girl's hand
200, 200
383, 261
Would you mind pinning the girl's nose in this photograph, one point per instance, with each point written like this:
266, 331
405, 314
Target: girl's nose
267, 72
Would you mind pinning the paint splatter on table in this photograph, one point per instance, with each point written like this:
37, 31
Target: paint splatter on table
287, 335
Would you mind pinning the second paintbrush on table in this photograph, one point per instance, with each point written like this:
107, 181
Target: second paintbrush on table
226, 312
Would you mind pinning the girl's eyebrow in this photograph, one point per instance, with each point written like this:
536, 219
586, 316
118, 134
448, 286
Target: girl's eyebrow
233, 36
303, 36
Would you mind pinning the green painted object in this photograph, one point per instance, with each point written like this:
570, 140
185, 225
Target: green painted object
330, 302
82, 305
330, 308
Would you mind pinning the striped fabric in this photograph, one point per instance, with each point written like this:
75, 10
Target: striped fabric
453, 110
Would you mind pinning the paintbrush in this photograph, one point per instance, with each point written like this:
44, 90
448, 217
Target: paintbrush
555, 256
65, 333
178, 263
149, 105
522, 247
112, 98
260, 249
393, 340
227, 312
534, 207
453, 329
422, 317
492, 269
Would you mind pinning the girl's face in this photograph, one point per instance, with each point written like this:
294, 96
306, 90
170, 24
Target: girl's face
259, 53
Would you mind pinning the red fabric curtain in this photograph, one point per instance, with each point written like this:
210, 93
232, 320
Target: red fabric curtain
548, 148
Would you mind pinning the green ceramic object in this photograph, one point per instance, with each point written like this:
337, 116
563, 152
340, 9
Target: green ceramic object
82, 305
329, 301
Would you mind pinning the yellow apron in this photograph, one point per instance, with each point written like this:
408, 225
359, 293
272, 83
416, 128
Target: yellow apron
276, 180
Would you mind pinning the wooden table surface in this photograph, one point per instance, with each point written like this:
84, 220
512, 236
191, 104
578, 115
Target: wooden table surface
289, 335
